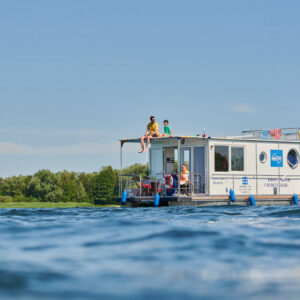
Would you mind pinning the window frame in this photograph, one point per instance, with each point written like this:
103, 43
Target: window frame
228, 158
241, 147
265, 155
191, 158
297, 156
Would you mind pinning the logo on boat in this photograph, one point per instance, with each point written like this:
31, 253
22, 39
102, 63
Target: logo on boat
245, 180
276, 158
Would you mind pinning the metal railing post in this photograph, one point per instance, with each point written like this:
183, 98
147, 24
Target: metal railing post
140, 185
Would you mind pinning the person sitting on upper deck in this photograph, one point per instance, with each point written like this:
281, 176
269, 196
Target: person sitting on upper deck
184, 177
151, 132
167, 129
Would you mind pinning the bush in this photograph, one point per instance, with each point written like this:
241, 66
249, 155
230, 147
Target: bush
6, 199
25, 199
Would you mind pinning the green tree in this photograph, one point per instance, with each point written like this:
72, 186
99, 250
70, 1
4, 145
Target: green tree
137, 169
87, 181
81, 194
46, 186
67, 186
73, 189
104, 184
116, 183
15, 186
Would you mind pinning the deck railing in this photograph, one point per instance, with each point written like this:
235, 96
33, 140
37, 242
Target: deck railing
136, 185
280, 134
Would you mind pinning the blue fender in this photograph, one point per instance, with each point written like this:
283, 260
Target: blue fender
252, 200
232, 195
156, 200
295, 199
124, 197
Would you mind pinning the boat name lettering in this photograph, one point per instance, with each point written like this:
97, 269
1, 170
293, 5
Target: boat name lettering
271, 184
218, 182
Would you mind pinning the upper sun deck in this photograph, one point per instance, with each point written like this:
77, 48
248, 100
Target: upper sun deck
283, 135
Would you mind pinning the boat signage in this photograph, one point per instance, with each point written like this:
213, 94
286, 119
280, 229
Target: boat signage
245, 180
276, 158
245, 187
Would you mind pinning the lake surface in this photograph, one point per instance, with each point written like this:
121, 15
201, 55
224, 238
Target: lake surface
150, 253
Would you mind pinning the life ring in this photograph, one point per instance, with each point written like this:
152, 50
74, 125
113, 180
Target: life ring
168, 181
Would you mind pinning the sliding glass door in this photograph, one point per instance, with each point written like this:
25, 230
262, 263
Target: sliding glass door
194, 158
185, 158
199, 170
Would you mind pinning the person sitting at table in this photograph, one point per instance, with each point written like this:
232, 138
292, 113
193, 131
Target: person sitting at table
184, 177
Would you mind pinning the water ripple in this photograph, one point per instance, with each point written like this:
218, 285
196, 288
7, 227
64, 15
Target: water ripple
169, 252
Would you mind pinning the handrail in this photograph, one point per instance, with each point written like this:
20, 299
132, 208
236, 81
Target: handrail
130, 182
285, 132
133, 182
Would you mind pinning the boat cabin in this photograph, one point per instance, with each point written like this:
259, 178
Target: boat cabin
253, 163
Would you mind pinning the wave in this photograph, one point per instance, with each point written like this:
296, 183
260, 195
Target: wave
282, 211
178, 234
89, 253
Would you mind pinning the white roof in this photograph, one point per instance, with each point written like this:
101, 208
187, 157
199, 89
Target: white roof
229, 138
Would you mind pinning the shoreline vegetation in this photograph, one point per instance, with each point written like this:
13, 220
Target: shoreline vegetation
65, 189
53, 205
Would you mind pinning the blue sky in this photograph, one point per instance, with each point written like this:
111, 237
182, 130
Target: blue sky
75, 76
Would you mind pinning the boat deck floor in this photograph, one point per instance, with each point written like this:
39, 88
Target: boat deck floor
205, 200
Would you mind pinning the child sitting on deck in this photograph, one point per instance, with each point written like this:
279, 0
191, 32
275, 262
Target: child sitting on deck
167, 129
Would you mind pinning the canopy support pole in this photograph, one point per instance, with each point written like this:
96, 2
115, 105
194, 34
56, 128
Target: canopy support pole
121, 157
121, 169
179, 156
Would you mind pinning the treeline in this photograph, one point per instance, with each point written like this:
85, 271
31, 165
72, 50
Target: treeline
46, 186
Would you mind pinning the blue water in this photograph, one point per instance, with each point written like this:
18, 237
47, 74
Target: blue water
150, 253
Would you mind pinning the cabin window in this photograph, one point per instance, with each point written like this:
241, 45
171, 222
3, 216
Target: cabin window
221, 158
186, 158
293, 158
263, 157
237, 159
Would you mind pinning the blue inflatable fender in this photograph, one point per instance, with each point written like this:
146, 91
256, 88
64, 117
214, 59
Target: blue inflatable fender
156, 200
124, 197
232, 195
252, 200
295, 199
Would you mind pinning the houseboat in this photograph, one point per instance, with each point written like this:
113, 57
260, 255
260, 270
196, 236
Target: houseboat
259, 167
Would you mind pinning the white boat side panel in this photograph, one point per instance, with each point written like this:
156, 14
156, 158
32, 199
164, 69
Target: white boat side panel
286, 170
267, 175
245, 185
290, 180
277, 180
242, 182
272, 176
245, 181
156, 161
219, 182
